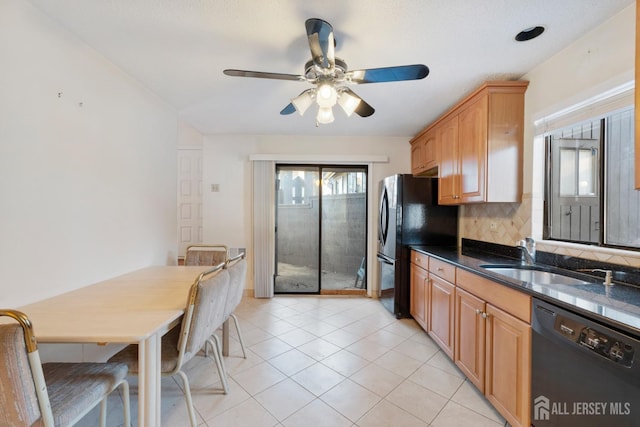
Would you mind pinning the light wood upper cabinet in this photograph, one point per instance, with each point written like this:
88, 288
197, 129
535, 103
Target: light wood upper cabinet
416, 158
448, 171
429, 151
479, 146
472, 142
423, 154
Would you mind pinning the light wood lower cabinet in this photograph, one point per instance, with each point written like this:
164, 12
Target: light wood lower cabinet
483, 326
419, 294
470, 329
493, 346
508, 362
441, 310
493, 349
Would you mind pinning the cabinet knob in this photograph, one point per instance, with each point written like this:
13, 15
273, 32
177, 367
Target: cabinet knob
484, 315
478, 311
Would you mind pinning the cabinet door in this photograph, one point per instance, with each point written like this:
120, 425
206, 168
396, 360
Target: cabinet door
469, 346
419, 295
447, 148
417, 164
472, 125
441, 310
508, 375
429, 150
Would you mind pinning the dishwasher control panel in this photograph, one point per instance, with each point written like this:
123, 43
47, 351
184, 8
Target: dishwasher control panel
596, 341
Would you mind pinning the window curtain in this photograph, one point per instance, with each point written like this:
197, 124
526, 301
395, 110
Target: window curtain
263, 227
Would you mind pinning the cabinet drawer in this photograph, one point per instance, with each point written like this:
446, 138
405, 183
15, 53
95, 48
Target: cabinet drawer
420, 259
509, 300
443, 269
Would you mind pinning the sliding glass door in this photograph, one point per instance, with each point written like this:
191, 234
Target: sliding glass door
297, 224
321, 222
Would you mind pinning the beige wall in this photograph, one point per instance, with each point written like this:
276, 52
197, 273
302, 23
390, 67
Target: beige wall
601, 59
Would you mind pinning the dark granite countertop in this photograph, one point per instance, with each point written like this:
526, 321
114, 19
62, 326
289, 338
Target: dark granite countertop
617, 306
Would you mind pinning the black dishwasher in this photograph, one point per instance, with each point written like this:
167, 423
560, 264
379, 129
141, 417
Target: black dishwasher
583, 372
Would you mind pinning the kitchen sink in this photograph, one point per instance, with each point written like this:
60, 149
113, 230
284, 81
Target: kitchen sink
533, 274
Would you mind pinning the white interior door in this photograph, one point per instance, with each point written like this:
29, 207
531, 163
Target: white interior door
189, 198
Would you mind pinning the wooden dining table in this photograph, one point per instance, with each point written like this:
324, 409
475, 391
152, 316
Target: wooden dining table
134, 308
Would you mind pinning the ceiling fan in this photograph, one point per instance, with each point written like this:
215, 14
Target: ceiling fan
330, 75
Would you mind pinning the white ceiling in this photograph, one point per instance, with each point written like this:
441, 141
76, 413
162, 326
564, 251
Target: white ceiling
178, 49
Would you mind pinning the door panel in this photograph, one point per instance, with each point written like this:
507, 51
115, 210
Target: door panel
189, 198
321, 223
441, 300
508, 353
470, 337
297, 225
343, 227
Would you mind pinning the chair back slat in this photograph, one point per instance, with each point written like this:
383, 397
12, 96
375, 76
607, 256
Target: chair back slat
18, 398
208, 296
206, 255
238, 277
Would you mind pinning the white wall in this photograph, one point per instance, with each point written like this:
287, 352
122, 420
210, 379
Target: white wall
228, 213
601, 58
599, 61
188, 136
87, 191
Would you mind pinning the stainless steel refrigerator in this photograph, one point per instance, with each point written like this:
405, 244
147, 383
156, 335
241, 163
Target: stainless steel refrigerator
409, 215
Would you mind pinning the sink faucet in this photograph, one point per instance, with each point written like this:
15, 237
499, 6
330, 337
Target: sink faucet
528, 247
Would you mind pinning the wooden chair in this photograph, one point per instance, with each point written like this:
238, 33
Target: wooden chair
50, 394
203, 314
206, 255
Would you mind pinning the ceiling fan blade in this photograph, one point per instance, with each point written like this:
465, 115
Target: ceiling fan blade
289, 109
363, 109
389, 74
321, 42
263, 75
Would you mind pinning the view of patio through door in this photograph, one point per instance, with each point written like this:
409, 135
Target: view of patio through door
321, 223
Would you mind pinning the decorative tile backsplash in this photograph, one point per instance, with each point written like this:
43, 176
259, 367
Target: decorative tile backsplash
502, 223
506, 223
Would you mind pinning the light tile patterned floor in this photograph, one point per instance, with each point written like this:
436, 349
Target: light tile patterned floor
318, 361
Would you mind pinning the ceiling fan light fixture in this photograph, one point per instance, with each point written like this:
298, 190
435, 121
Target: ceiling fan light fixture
329, 74
303, 101
326, 95
325, 115
348, 102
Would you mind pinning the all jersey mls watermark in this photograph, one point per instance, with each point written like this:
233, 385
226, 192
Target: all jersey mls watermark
543, 408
